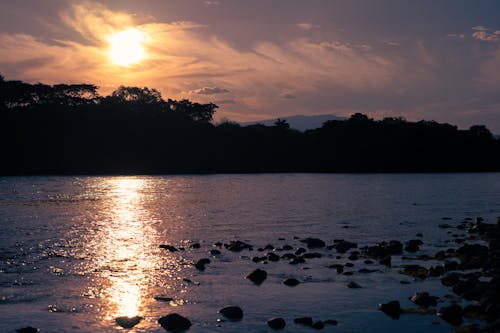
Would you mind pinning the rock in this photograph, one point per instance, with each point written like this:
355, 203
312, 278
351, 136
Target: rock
349, 264
287, 247
238, 246
276, 323
291, 282
300, 250
413, 245
174, 322
331, 322
269, 247
195, 246
468, 328
288, 256
368, 262
366, 270
386, 261
342, 246
419, 234
273, 256
164, 299
384, 249
308, 321
257, 276
214, 252
313, 243
353, 256
169, 248
415, 271
128, 322
200, 264
452, 314
353, 285
218, 244
319, 325
297, 260
28, 329
423, 299
392, 309
338, 267
311, 255
232, 312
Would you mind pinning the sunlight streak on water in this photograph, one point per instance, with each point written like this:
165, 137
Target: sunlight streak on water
124, 251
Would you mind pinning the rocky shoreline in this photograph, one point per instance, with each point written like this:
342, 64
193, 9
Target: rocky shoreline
470, 269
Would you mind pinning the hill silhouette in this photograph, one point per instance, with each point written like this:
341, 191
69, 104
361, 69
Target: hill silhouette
71, 129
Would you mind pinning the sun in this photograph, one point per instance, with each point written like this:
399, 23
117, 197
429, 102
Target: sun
126, 47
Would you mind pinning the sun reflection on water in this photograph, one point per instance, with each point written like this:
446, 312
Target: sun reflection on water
125, 242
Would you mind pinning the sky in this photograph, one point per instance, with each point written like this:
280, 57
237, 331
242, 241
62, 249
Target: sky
261, 59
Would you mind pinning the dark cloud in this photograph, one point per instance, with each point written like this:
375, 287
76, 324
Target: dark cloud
210, 91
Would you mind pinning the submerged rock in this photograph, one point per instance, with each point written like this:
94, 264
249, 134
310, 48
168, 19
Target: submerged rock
308, 321
342, 246
232, 312
319, 325
200, 264
238, 246
276, 323
291, 282
392, 309
413, 245
163, 298
313, 243
452, 314
423, 299
257, 276
128, 322
169, 247
174, 322
214, 252
353, 285
28, 329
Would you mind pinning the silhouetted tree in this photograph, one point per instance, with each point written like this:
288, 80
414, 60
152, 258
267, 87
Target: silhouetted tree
281, 124
194, 111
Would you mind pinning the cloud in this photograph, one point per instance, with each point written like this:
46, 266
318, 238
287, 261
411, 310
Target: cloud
211, 3
225, 101
391, 43
288, 96
455, 36
306, 26
210, 91
485, 34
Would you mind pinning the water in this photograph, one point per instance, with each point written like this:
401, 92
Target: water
77, 252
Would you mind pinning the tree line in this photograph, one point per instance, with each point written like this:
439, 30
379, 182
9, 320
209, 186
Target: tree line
71, 129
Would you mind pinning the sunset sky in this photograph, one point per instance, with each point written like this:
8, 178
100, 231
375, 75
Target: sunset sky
264, 59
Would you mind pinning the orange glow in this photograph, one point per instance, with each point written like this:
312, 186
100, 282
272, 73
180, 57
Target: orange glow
126, 47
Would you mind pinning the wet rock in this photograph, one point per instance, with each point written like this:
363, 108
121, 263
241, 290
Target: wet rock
300, 250
214, 252
349, 264
276, 323
468, 328
319, 325
463, 287
297, 260
174, 322
445, 226
353, 256
452, 314
415, 271
28, 329
331, 322
366, 270
238, 246
169, 248
311, 255
291, 282
368, 262
307, 321
268, 247
218, 244
353, 285
232, 312
338, 267
164, 299
128, 322
413, 245
419, 234
195, 246
392, 309
288, 256
384, 249
342, 246
258, 259
386, 261
273, 257
287, 247
200, 264
313, 243
257, 276
423, 299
